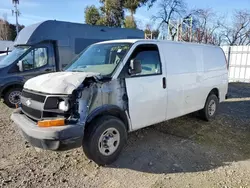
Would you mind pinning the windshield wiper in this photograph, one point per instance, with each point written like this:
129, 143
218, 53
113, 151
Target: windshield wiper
103, 78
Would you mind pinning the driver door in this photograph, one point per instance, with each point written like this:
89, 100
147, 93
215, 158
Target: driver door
36, 62
147, 94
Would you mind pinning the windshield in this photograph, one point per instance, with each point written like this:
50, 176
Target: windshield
15, 54
2, 56
100, 58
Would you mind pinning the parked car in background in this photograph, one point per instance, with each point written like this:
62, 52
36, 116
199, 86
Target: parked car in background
48, 47
116, 87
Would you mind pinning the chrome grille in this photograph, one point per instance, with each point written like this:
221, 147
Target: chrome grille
33, 96
33, 113
33, 105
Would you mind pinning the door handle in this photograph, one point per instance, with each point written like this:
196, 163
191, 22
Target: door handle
164, 84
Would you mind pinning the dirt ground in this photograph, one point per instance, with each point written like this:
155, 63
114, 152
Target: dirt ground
185, 152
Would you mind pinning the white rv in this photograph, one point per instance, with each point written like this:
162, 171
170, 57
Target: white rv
119, 86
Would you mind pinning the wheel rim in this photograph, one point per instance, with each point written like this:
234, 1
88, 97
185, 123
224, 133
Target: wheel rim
109, 141
14, 97
211, 108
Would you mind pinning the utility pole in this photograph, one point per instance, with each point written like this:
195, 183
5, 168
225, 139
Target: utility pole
17, 14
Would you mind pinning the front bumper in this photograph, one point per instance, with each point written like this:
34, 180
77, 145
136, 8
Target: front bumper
52, 138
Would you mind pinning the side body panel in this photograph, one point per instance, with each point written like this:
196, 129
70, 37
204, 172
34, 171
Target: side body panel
215, 71
184, 78
192, 72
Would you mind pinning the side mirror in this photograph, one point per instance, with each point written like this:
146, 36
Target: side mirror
135, 67
20, 66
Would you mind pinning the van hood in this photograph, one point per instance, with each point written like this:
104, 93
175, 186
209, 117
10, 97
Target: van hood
58, 82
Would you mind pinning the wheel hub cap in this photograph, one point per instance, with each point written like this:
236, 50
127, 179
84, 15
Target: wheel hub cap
109, 141
211, 107
14, 97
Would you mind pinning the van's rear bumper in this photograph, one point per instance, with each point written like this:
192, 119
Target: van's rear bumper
52, 138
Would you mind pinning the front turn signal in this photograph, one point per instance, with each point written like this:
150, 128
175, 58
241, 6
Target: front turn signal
51, 123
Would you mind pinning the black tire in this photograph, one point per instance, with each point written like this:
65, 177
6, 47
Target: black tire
8, 95
206, 113
94, 132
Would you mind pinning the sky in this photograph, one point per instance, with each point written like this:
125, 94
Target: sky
33, 11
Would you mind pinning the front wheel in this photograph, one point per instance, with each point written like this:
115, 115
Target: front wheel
12, 97
209, 111
104, 139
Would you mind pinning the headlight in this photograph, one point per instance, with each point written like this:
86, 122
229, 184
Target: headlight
64, 106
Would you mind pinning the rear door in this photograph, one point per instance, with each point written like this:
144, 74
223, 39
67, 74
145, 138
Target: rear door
147, 90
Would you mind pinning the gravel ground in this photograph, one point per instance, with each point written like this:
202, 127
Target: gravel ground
185, 152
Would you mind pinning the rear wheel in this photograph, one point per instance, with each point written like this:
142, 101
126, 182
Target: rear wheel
104, 139
209, 111
12, 97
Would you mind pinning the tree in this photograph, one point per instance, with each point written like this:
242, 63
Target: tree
239, 32
8, 30
205, 24
92, 15
113, 12
130, 22
151, 33
133, 5
4, 28
102, 21
169, 11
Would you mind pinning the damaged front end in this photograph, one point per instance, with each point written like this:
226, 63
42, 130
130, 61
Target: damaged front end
99, 96
94, 96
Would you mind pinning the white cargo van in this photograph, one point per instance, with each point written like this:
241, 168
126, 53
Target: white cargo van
116, 87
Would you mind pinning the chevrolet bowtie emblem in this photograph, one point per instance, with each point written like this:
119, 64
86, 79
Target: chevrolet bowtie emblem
28, 102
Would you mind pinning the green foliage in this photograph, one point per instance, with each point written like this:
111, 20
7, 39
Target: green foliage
132, 5
113, 12
130, 22
92, 15
102, 21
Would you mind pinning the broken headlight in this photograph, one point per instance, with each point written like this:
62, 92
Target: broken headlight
53, 103
64, 106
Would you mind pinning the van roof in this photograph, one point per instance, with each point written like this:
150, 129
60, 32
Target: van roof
63, 31
157, 41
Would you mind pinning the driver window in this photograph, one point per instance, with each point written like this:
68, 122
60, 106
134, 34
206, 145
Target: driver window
28, 61
35, 58
149, 57
40, 57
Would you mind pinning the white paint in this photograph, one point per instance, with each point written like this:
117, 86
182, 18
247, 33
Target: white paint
57, 83
192, 71
147, 100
